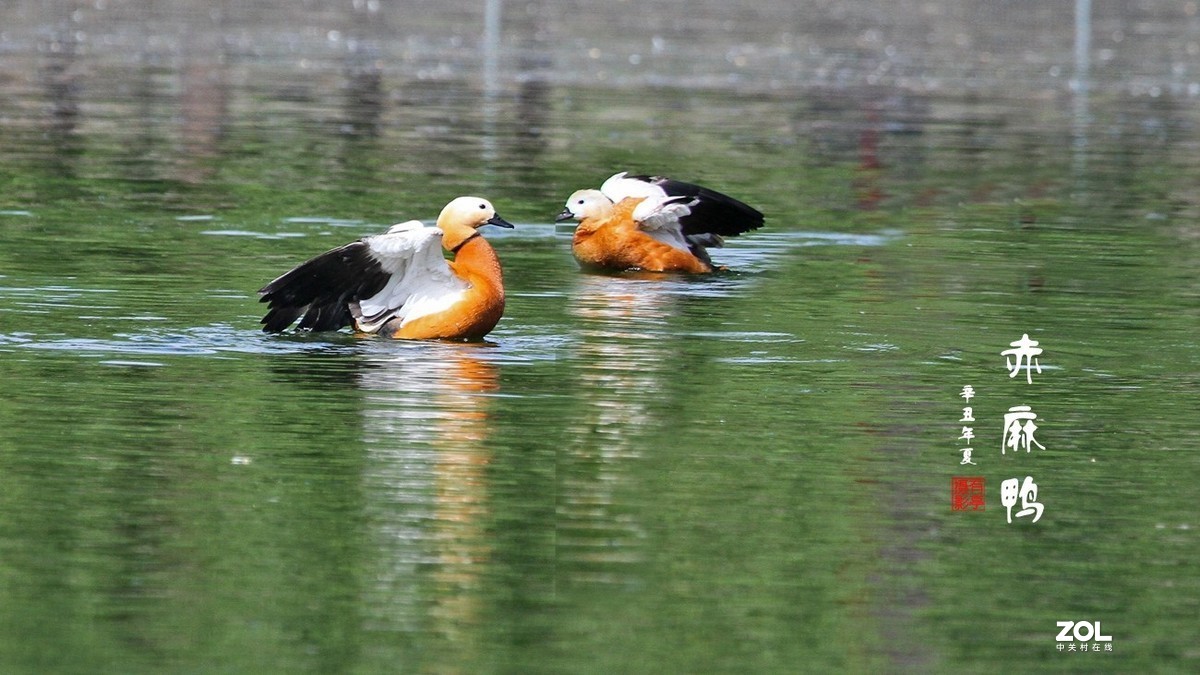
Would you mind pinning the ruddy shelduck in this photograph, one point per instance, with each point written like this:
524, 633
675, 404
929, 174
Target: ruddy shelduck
398, 284
654, 224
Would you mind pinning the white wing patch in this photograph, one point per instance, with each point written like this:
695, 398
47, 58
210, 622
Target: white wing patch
618, 187
659, 218
420, 284
405, 226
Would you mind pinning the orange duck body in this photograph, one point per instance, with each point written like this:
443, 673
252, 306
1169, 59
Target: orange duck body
614, 240
654, 224
480, 308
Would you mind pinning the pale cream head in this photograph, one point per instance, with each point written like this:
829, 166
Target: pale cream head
469, 211
461, 217
586, 204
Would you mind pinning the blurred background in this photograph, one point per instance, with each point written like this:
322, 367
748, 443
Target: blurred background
747, 472
404, 90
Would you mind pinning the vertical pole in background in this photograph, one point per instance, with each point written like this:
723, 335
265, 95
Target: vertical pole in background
492, 12
1080, 84
1083, 40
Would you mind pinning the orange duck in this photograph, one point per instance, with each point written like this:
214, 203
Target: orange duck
398, 284
654, 224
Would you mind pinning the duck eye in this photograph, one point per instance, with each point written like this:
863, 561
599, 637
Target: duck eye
483, 206
579, 202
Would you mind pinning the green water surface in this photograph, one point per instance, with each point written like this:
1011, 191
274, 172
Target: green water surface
747, 472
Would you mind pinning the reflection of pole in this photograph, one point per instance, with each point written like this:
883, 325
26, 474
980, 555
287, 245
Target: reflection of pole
1079, 84
492, 11
60, 81
869, 194
203, 100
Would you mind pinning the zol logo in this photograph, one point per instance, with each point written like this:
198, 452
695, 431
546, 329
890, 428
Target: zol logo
1081, 631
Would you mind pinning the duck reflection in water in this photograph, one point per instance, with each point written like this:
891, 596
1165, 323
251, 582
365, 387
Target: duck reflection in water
623, 369
427, 423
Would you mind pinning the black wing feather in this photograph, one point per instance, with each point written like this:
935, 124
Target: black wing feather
319, 291
713, 213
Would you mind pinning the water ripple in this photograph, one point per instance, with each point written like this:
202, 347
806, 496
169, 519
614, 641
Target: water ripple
209, 340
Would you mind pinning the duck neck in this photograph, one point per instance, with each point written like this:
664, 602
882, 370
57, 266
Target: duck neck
475, 261
624, 208
454, 237
595, 219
